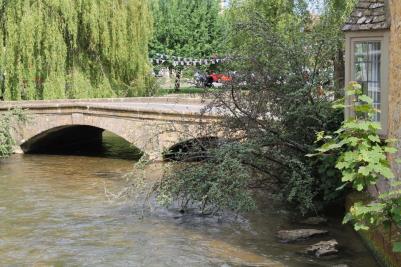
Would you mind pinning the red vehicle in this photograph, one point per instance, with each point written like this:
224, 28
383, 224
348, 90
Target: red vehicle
214, 79
220, 77
211, 80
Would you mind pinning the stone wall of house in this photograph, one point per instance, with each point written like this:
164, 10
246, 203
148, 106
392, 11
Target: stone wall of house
394, 113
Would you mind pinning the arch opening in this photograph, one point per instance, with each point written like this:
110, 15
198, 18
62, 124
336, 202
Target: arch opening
81, 140
192, 150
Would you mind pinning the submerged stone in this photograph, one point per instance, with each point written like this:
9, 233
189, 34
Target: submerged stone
323, 248
299, 234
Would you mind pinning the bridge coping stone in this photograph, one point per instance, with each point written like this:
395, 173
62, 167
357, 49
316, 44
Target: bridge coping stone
166, 100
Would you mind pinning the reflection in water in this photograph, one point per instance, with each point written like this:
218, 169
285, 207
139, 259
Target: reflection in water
53, 212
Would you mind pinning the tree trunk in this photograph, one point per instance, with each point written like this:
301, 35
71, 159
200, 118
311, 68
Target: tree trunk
339, 69
177, 80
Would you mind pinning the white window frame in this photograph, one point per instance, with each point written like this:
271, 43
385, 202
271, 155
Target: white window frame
376, 36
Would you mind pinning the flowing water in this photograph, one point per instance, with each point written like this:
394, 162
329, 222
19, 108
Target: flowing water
54, 212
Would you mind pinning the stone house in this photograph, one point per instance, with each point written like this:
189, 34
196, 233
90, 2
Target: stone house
373, 58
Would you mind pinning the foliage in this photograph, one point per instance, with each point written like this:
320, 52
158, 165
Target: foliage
281, 95
6, 140
218, 183
187, 28
75, 49
362, 161
292, 19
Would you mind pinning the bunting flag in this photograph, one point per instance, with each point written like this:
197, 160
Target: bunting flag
182, 61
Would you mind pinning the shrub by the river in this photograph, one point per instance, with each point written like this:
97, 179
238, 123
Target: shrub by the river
216, 183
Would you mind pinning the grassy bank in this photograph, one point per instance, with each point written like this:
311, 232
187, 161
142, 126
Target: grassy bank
187, 90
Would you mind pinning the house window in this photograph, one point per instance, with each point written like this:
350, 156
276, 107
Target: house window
367, 70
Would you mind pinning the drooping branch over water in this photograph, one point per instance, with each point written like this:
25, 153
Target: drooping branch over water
73, 49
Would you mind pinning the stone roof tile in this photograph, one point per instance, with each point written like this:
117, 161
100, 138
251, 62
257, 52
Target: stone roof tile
368, 15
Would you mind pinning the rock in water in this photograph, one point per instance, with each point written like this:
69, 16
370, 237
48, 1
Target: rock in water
299, 234
323, 248
314, 221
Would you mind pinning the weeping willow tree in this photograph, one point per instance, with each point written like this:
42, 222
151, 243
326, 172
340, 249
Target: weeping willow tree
73, 48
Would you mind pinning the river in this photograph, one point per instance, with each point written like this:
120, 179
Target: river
54, 212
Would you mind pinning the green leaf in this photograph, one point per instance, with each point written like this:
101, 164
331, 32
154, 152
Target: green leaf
390, 150
342, 165
364, 170
328, 146
360, 226
366, 99
339, 106
320, 136
386, 172
374, 138
359, 187
348, 176
347, 218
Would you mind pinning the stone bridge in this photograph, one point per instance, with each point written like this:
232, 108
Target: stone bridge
151, 124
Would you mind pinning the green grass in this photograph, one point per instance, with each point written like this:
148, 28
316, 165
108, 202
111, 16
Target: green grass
188, 90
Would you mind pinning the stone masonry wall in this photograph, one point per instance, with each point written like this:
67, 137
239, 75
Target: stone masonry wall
394, 97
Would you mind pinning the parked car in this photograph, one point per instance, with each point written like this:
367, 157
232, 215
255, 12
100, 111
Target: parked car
211, 80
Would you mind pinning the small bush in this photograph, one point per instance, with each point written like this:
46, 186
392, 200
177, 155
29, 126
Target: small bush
6, 141
361, 157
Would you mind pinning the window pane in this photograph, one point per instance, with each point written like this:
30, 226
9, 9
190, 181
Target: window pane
361, 51
367, 70
361, 73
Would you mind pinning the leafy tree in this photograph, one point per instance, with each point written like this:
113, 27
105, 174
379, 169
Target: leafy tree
335, 13
186, 28
67, 48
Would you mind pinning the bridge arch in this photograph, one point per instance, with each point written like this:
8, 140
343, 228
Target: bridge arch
66, 138
192, 149
63, 134
38, 128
